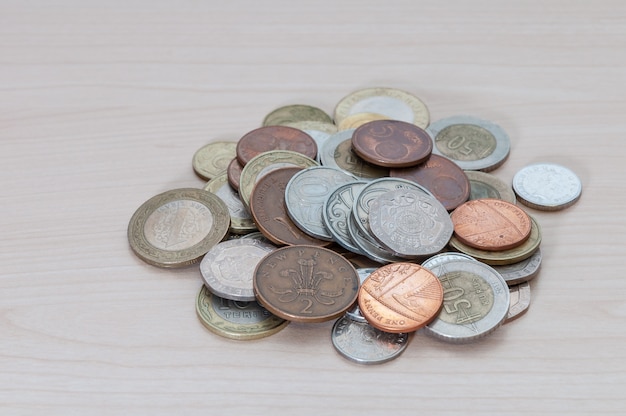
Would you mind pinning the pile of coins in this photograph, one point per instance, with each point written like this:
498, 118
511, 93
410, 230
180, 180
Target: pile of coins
374, 217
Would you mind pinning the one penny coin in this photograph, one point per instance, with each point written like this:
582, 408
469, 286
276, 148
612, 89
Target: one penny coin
400, 297
306, 283
392, 143
491, 224
269, 138
233, 170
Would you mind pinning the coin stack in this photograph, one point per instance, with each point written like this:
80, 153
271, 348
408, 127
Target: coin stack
375, 218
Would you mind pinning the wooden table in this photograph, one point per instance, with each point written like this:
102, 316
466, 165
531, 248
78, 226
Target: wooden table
103, 104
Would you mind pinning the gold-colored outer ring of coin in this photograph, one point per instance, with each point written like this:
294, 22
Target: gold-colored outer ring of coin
177, 227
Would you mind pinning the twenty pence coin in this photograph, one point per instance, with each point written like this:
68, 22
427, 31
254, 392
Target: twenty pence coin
213, 159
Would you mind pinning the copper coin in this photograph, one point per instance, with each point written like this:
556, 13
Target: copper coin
267, 206
306, 283
234, 173
442, 177
392, 143
269, 138
491, 224
400, 297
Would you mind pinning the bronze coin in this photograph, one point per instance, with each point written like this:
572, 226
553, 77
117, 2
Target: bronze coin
392, 143
306, 283
267, 206
442, 177
400, 297
491, 224
234, 173
269, 138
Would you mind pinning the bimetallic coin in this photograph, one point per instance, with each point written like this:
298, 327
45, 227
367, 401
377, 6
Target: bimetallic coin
213, 159
400, 297
355, 312
337, 211
234, 319
520, 301
357, 120
522, 271
409, 223
470, 142
228, 268
306, 193
485, 185
176, 228
362, 343
337, 153
265, 139
390, 102
295, 113
306, 283
547, 186
441, 258
240, 219
475, 301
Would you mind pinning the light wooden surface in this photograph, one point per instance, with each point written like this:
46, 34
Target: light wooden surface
102, 105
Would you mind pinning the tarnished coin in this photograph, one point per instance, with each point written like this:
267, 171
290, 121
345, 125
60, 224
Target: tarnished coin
234, 319
442, 177
491, 224
228, 267
233, 170
306, 283
390, 102
306, 193
485, 185
240, 219
213, 159
295, 113
265, 139
176, 228
472, 143
392, 143
547, 186
357, 120
400, 297
520, 301
410, 223
267, 162
522, 271
337, 211
337, 153
267, 205
355, 312
371, 248
445, 257
362, 343
475, 301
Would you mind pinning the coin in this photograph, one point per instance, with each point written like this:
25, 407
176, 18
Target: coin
177, 227
368, 245
486, 185
267, 205
521, 271
240, 219
213, 159
357, 120
269, 138
306, 193
390, 102
362, 343
547, 186
491, 224
233, 170
306, 283
400, 297
445, 257
391, 143
337, 153
470, 142
318, 130
475, 301
442, 177
355, 312
228, 267
337, 211
234, 319
294, 113
520, 301
410, 223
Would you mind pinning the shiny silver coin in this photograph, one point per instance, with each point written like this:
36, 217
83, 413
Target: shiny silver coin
306, 193
228, 268
336, 152
409, 223
337, 211
475, 301
486, 185
446, 257
522, 271
362, 343
520, 301
472, 143
355, 312
547, 186
370, 247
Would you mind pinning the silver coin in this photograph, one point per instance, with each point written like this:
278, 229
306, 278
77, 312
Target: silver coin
446, 257
355, 312
228, 268
362, 343
472, 143
475, 301
337, 211
240, 219
409, 223
547, 186
370, 247
306, 193
486, 185
522, 271
520, 301
336, 152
